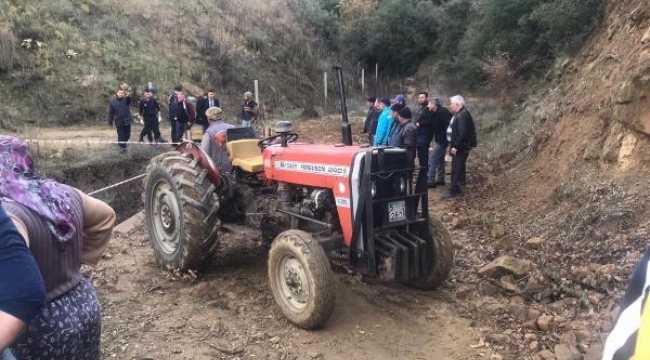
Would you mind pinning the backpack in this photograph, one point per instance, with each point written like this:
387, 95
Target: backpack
173, 99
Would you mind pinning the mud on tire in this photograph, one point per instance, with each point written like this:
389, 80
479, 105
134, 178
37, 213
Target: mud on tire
181, 208
301, 279
442, 258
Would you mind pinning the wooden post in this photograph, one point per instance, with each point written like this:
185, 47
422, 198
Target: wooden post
363, 82
325, 91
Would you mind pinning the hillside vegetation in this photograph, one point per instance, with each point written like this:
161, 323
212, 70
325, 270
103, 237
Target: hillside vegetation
61, 60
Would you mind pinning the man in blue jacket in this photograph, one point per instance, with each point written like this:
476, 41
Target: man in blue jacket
384, 123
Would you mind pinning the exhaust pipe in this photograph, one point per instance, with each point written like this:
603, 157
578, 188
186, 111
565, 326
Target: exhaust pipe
346, 129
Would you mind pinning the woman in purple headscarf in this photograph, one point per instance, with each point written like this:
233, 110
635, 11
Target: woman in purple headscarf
63, 228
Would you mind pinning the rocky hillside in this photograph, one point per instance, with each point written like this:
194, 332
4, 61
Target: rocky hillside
562, 188
60, 60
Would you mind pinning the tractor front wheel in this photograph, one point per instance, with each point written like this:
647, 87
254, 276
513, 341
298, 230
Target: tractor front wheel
301, 279
441, 259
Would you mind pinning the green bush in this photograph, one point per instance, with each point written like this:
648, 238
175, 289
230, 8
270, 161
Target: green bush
564, 24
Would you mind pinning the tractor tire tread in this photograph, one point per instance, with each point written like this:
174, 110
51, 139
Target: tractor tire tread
201, 238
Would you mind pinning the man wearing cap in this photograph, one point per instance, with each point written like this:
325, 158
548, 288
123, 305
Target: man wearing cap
214, 139
399, 99
370, 125
405, 134
383, 123
441, 118
248, 110
461, 135
394, 113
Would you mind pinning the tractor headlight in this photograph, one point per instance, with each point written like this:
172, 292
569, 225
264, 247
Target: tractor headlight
373, 190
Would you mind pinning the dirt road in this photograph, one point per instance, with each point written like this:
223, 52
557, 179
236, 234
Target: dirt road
229, 313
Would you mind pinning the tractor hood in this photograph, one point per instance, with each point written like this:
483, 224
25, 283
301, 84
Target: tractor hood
308, 164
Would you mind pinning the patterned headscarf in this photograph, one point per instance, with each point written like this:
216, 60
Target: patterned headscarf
20, 183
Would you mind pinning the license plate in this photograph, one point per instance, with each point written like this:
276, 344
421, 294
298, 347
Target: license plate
397, 211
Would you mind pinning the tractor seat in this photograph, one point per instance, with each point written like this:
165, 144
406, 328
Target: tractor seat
246, 155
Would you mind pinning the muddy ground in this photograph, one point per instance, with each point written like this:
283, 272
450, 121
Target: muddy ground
229, 311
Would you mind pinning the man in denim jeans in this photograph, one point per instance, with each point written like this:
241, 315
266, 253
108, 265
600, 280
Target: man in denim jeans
441, 118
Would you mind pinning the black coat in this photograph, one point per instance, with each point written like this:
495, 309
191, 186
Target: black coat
463, 132
119, 113
424, 121
201, 106
370, 125
441, 119
149, 108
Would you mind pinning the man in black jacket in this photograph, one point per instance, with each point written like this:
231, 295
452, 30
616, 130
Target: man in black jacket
172, 102
203, 105
441, 118
424, 123
370, 125
462, 137
248, 112
119, 115
150, 111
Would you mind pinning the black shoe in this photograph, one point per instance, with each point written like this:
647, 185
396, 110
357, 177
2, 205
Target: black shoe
448, 196
161, 140
440, 183
432, 185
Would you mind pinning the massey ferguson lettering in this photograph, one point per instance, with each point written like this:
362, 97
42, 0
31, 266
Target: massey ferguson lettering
313, 168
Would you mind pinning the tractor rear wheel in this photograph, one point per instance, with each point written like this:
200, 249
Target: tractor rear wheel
442, 258
181, 207
301, 279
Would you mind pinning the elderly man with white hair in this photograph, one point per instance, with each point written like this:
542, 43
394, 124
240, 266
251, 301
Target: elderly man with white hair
461, 135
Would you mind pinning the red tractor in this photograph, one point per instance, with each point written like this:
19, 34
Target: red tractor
306, 201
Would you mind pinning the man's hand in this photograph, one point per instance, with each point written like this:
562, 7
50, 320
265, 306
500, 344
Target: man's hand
453, 152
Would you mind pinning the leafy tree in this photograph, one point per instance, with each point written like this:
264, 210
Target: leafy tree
565, 23
356, 17
400, 37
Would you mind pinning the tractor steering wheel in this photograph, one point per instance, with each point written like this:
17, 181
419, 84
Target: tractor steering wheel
270, 140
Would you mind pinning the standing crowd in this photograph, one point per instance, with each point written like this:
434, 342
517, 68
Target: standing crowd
388, 123
184, 113
392, 123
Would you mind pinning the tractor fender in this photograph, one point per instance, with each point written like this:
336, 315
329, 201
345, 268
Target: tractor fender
197, 153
